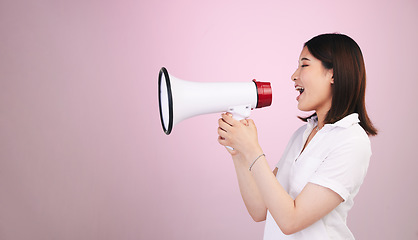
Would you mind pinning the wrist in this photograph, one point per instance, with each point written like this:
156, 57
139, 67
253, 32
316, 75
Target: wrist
255, 160
240, 162
253, 154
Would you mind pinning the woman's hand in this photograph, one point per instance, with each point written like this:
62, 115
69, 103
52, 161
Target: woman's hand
240, 135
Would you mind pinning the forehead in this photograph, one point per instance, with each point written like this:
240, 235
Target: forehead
305, 54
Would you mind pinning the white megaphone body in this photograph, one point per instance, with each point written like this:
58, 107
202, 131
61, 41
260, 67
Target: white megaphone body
180, 99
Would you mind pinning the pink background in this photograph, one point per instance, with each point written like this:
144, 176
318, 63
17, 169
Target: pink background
82, 152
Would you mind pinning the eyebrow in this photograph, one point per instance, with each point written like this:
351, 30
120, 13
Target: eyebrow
307, 59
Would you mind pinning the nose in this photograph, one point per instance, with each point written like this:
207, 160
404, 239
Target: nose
295, 75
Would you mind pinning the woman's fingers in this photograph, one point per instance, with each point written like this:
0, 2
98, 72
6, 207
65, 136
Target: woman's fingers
227, 117
226, 144
222, 133
224, 125
231, 131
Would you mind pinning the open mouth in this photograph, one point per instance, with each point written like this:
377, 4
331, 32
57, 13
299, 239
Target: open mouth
300, 89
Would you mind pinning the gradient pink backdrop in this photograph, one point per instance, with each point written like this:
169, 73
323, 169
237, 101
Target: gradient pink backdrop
82, 152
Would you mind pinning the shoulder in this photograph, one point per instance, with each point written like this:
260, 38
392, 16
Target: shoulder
345, 160
348, 130
349, 146
353, 135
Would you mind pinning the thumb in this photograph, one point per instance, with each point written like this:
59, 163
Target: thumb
250, 122
244, 121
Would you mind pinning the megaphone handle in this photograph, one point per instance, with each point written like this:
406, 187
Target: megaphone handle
239, 113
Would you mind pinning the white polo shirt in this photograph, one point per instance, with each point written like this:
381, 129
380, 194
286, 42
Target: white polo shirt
337, 158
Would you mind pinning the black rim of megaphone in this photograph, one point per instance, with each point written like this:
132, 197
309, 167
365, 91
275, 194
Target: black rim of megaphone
170, 100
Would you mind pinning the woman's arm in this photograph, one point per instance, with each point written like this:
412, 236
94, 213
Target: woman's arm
291, 215
312, 204
249, 191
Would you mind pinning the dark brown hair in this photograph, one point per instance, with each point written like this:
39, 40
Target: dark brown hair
342, 54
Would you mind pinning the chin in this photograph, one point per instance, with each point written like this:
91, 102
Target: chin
305, 109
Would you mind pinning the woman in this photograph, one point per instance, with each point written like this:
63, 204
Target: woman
311, 190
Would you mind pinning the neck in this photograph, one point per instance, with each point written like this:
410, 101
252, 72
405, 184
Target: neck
321, 118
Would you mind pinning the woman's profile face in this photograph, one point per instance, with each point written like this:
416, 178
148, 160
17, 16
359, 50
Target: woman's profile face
313, 81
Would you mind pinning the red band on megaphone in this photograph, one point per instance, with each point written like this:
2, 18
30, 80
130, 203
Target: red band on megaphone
264, 94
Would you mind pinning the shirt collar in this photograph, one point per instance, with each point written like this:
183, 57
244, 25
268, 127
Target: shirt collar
312, 122
346, 122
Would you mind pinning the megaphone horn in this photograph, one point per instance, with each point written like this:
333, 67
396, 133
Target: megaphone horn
180, 99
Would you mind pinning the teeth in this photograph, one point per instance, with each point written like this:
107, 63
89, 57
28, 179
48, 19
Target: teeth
300, 89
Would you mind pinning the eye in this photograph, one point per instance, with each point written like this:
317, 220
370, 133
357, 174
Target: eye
304, 65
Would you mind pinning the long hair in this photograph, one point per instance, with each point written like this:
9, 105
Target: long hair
342, 54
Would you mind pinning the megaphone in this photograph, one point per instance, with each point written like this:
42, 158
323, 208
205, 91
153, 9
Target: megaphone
180, 99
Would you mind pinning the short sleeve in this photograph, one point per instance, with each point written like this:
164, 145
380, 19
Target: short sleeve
345, 167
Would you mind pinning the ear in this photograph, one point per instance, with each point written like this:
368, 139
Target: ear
331, 75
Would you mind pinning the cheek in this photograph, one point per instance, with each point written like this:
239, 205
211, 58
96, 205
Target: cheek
324, 94
327, 86
319, 90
